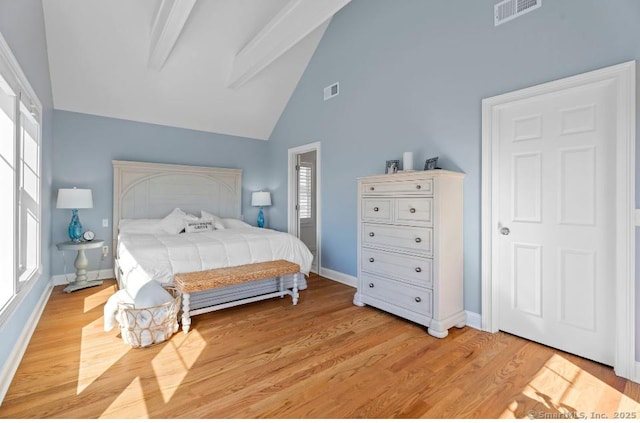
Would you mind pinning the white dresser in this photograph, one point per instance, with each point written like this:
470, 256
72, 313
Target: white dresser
410, 247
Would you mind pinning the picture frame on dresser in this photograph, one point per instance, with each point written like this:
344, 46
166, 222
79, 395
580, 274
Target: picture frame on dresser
431, 164
392, 166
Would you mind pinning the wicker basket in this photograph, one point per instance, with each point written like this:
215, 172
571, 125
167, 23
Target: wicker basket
142, 327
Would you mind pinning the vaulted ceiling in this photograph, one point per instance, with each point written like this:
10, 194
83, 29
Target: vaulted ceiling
224, 66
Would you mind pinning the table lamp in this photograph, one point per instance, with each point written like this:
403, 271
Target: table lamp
261, 199
74, 199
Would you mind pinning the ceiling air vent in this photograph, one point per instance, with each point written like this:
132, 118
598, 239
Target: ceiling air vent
511, 9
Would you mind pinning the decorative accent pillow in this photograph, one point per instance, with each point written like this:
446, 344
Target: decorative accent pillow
217, 222
139, 226
234, 223
174, 222
199, 226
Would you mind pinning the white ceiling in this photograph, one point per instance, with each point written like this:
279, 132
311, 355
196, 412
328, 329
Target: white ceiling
224, 66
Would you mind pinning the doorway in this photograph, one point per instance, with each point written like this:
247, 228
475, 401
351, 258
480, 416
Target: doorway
304, 199
557, 203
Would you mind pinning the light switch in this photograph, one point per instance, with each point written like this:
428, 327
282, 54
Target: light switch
105, 223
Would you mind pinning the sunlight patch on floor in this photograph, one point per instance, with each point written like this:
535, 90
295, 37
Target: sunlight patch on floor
129, 404
96, 357
172, 364
562, 389
96, 300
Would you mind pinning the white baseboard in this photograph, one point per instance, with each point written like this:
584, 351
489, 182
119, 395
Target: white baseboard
474, 320
635, 377
93, 275
11, 365
339, 277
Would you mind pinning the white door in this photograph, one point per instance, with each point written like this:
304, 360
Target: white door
556, 215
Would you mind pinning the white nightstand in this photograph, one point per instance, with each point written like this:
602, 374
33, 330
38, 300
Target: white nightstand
81, 263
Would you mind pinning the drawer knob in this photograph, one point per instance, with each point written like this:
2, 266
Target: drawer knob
418, 186
418, 299
371, 234
418, 239
372, 188
375, 209
412, 210
418, 269
371, 260
371, 285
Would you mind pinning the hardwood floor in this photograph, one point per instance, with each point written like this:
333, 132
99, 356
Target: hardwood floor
322, 358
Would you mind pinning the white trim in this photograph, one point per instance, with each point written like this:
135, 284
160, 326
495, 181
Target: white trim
624, 75
339, 277
637, 215
10, 366
474, 320
18, 83
93, 275
291, 193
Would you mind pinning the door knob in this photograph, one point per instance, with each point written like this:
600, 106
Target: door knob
505, 231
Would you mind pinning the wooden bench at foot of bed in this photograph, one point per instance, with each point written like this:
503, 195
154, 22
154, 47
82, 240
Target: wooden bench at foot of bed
227, 276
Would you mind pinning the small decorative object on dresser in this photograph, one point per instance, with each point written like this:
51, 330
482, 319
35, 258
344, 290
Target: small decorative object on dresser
431, 163
407, 161
410, 247
392, 166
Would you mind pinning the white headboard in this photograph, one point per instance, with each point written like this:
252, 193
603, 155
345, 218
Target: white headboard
152, 190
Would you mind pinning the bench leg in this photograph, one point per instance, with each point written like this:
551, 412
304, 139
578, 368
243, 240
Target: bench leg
294, 296
281, 280
186, 320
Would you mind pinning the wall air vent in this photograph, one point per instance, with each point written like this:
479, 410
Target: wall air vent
331, 91
511, 9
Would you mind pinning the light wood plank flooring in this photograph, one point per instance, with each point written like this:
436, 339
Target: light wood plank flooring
321, 358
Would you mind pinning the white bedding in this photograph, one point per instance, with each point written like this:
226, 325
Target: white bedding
145, 257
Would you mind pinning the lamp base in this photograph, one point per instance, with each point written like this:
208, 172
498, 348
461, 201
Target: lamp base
261, 218
75, 227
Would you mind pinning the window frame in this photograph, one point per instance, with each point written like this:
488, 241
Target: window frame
15, 78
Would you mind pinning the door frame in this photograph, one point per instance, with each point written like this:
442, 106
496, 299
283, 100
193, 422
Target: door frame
291, 188
624, 76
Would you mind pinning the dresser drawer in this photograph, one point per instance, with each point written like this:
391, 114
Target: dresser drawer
423, 186
419, 240
414, 210
418, 300
411, 269
376, 209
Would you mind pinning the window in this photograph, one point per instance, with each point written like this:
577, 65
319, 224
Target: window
20, 174
305, 193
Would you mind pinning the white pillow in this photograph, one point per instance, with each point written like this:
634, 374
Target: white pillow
217, 222
139, 226
201, 225
234, 223
174, 222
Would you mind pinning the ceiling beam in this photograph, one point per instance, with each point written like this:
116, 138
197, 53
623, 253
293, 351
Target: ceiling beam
167, 27
293, 23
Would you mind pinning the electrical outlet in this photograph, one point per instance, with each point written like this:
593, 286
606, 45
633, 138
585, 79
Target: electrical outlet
105, 223
105, 250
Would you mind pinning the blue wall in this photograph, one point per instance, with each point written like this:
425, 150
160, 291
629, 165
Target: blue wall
22, 26
412, 76
85, 145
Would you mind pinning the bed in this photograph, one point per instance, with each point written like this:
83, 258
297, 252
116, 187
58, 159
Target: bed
147, 192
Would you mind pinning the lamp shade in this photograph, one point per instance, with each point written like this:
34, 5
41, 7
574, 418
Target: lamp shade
261, 198
74, 198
